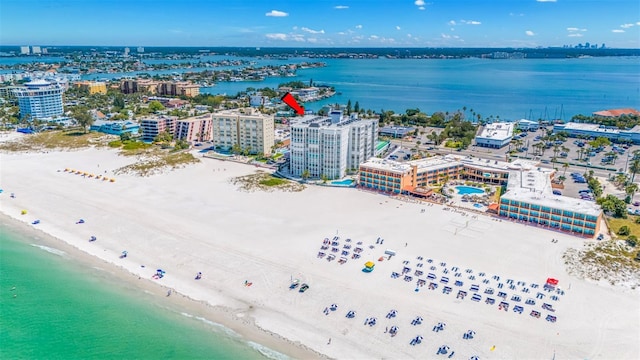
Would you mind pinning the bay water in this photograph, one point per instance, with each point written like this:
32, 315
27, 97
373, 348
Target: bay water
53, 306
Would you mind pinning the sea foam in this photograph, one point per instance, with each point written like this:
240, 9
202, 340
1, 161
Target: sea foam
50, 250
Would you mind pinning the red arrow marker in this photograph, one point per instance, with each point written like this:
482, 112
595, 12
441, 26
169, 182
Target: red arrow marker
289, 100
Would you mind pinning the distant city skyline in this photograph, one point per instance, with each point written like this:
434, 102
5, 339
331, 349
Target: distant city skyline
370, 23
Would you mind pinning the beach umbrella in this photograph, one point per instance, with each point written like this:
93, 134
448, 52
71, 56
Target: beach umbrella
420, 338
471, 333
334, 307
474, 358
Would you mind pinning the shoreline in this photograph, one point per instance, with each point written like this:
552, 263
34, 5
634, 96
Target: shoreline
223, 316
193, 220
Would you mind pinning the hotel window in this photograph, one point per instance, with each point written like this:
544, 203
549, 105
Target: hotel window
567, 213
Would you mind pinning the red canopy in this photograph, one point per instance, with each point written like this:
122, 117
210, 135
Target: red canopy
552, 281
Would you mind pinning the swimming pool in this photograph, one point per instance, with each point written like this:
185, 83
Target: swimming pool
345, 182
466, 190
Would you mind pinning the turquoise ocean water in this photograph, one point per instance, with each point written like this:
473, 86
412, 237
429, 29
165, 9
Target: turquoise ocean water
64, 309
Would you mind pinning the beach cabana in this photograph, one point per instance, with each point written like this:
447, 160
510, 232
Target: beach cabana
368, 266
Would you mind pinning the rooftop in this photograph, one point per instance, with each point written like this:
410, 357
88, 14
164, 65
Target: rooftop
617, 112
497, 131
534, 187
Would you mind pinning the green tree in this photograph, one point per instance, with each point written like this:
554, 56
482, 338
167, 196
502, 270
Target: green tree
635, 167
125, 136
305, 174
624, 230
349, 107
82, 116
155, 105
163, 137
356, 108
118, 103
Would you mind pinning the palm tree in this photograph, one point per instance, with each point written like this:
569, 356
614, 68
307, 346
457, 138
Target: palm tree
305, 174
631, 189
565, 166
635, 168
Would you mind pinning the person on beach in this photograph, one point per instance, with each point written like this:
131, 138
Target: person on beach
169, 292
328, 343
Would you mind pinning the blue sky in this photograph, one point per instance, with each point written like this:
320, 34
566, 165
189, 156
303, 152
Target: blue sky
320, 23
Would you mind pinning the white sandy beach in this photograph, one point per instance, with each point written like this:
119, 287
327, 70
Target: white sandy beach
193, 220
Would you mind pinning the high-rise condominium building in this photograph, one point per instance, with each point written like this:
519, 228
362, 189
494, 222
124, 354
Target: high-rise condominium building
324, 146
40, 99
246, 128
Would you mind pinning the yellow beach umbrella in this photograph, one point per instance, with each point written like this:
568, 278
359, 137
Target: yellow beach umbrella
369, 264
24, 212
113, 180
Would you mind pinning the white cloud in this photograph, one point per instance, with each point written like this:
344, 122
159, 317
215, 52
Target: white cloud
546, 0
397, 27
575, 29
638, 23
358, 26
617, 30
626, 26
529, 33
470, 22
421, 8
445, 36
277, 13
513, 14
408, 35
297, 37
341, 7
419, 2
452, 22
342, 33
311, 31
312, 40
278, 36
575, 35
373, 37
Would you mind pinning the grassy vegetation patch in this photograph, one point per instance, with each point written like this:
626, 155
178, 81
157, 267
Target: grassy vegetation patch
273, 182
616, 223
157, 163
262, 181
51, 140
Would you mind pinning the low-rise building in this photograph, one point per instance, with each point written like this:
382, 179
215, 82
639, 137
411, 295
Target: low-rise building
199, 128
115, 127
529, 195
495, 135
529, 198
153, 127
245, 128
585, 130
527, 125
396, 131
616, 112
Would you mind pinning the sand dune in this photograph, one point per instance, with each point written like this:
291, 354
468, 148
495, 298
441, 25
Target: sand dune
194, 220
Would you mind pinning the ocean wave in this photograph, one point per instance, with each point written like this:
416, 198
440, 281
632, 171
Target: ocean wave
50, 250
267, 352
217, 326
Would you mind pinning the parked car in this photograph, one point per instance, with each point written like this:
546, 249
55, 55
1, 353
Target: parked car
303, 288
600, 237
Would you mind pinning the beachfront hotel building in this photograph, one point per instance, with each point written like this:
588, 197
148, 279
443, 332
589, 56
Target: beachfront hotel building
330, 145
153, 127
245, 128
405, 177
193, 129
528, 198
40, 99
495, 135
93, 87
